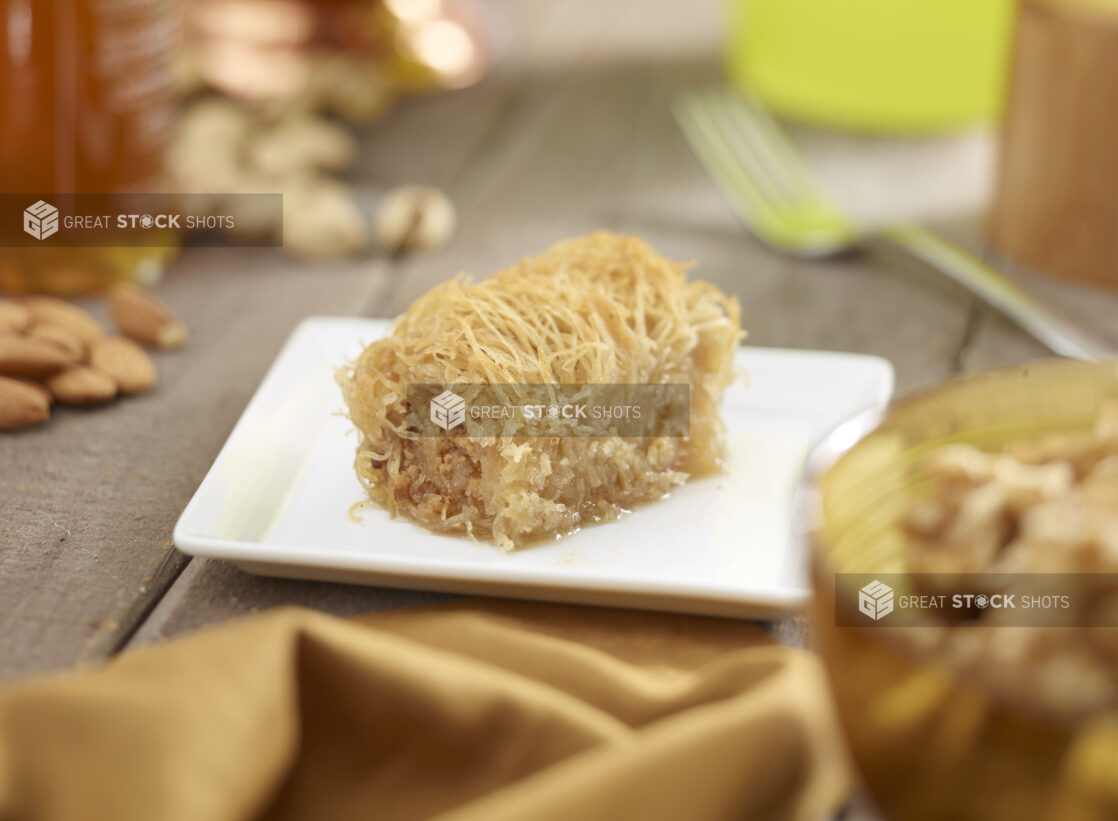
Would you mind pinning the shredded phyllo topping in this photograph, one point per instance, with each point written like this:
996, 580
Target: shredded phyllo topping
600, 309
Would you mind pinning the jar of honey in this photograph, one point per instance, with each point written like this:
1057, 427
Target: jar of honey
86, 105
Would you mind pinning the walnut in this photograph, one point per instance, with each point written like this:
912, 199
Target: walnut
1048, 505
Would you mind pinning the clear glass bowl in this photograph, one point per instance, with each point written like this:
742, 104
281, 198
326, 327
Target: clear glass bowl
929, 742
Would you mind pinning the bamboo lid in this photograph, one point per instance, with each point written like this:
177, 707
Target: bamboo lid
1055, 203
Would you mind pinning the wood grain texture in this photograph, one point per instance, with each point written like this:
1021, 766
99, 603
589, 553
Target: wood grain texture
571, 132
85, 550
88, 501
581, 138
430, 141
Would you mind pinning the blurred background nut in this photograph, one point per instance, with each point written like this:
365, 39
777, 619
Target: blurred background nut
1105, 469
962, 463
415, 217
1027, 485
277, 89
1080, 449
59, 336
21, 406
1100, 487
13, 316
301, 144
321, 219
360, 96
928, 518
207, 144
25, 356
39, 388
125, 362
81, 385
982, 522
1058, 523
50, 310
145, 318
1106, 428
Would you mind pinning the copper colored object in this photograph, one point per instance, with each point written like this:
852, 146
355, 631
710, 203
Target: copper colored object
1055, 205
285, 50
85, 107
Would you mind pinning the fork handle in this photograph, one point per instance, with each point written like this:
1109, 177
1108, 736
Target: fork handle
983, 281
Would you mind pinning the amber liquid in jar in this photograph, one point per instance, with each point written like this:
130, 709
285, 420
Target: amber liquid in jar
85, 108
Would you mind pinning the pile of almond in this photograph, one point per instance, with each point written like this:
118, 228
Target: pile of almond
51, 349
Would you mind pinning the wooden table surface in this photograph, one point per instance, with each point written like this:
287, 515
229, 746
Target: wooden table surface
570, 132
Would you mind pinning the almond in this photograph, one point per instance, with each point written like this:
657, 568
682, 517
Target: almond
21, 406
125, 361
50, 310
58, 335
145, 318
80, 385
39, 388
26, 356
13, 316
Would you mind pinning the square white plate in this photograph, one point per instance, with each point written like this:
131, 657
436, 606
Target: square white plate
277, 499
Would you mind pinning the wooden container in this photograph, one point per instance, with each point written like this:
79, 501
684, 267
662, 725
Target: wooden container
1055, 204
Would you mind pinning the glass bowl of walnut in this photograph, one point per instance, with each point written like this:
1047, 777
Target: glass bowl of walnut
965, 562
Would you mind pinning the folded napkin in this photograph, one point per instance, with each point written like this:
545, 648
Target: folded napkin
475, 710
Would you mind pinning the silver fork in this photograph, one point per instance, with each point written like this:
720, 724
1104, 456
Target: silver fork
776, 197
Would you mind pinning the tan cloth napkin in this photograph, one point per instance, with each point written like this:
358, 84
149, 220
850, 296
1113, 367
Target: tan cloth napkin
472, 711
